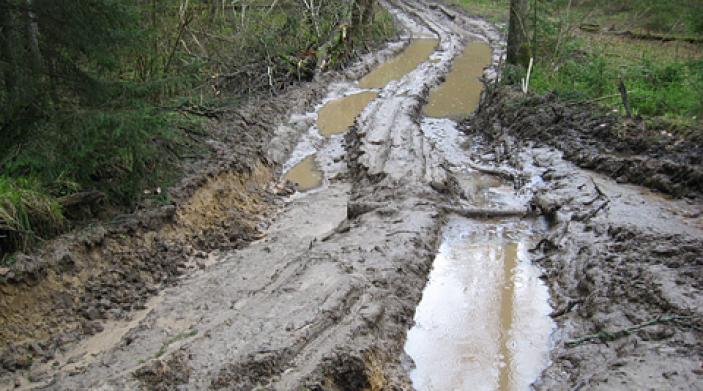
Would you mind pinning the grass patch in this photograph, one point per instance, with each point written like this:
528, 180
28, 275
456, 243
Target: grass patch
26, 213
664, 79
496, 11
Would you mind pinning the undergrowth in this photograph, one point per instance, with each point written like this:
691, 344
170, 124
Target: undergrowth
94, 94
26, 212
664, 80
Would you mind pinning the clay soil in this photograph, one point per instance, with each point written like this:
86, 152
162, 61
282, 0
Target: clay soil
238, 285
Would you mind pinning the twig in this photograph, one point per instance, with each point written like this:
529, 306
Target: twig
526, 80
580, 102
625, 100
605, 336
485, 212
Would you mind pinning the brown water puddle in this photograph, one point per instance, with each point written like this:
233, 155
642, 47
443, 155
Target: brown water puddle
338, 115
458, 96
415, 54
306, 174
483, 321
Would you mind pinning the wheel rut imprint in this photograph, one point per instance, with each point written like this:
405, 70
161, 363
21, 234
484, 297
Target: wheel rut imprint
336, 310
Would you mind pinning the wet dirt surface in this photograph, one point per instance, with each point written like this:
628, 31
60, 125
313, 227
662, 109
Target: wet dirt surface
417, 52
459, 94
483, 322
338, 115
623, 267
305, 175
325, 292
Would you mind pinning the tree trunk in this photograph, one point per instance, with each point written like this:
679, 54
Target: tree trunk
33, 40
213, 9
7, 36
518, 47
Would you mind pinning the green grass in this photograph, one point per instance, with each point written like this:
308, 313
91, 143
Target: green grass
26, 212
664, 79
496, 11
675, 17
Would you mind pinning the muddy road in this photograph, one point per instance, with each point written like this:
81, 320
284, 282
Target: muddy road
540, 273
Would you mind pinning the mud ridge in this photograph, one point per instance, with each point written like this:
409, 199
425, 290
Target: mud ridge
626, 151
69, 288
292, 310
622, 264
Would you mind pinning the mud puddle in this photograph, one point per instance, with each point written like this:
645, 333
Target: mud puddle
306, 175
338, 115
459, 95
415, 54
483, 322
318, 154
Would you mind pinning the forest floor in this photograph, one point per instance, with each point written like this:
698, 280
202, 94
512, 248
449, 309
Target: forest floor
247, 283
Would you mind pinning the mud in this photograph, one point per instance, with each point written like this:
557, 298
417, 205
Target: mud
628, 151
92, 279
322, 293
623, 267
459, 94
323, 299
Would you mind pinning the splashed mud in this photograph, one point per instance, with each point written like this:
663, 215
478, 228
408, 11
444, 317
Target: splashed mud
459, 95
416, 53
338, 115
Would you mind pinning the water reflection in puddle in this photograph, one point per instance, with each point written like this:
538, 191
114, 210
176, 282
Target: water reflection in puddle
483, 321
338, 115
415, 54
458, 96
305, 174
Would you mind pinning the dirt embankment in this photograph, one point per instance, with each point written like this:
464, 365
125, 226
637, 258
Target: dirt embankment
623, 263
325, 299
65, 289
625, 150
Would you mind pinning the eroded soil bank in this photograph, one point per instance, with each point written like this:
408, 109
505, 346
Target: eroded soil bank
623, 262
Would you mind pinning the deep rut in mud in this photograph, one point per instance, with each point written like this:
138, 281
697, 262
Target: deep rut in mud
389, 198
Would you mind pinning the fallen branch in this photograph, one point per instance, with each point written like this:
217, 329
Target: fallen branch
483, 213
643, 36
589, 215
605, 336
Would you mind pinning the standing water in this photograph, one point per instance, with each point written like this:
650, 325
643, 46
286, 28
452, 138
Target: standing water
305, 174
483, 322
338, 115
416, 53
459, 94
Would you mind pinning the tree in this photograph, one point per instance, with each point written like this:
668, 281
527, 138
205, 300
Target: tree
518, 44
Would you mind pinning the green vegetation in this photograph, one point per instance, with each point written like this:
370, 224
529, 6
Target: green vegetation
495, 11
95, 94
582, 50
